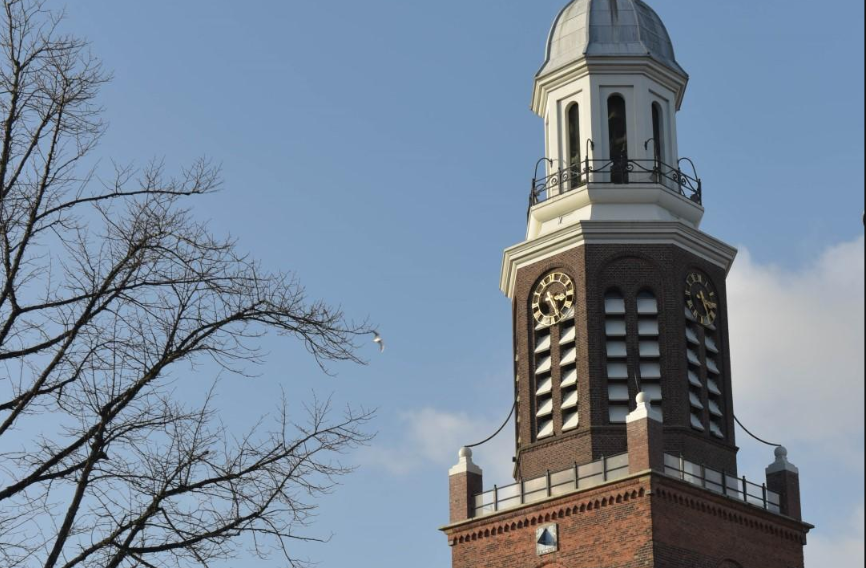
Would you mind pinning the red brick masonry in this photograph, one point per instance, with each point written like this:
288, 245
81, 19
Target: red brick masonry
645, 520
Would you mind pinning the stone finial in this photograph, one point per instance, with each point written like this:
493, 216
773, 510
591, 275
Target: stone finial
464, 463
782, 463
643, 409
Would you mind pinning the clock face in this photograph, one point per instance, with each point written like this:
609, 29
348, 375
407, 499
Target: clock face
552, 298
701, 299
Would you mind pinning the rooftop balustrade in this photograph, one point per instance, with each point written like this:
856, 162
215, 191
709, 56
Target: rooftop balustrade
616, 172
552, 484
722, 483
580, 477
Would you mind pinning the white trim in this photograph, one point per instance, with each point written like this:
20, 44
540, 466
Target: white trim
782, 463
648, 67
643, 410
612, 232
608, 202
465, 464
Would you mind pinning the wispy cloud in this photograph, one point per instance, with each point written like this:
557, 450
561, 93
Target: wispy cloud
839, 548
432, 438
797, 351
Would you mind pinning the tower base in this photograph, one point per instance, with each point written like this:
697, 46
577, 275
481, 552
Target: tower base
646, 520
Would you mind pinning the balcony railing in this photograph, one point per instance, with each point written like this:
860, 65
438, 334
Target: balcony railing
616, 172
575, 478
722, 483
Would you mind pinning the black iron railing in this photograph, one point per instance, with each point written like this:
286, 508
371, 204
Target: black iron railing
616, 172
551, 484
722, 483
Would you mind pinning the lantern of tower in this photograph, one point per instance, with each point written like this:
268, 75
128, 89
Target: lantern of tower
608, 92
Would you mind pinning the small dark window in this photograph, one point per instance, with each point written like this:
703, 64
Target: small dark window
574, 144
616, 127
658, 135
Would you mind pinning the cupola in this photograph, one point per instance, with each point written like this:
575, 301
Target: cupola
607, 28
609, 90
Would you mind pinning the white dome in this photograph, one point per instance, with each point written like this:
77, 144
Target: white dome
607, 28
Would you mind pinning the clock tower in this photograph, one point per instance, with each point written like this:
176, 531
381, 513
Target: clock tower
625, 450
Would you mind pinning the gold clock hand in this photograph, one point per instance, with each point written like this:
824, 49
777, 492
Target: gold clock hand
549, 298
703, 300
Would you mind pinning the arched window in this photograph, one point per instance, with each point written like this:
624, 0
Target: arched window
626, 326
658, 134
574, 144
618, 138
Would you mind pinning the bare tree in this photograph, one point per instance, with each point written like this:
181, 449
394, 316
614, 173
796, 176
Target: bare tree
109, 292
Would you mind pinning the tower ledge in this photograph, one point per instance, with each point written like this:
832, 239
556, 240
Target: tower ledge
605, 202
583, 233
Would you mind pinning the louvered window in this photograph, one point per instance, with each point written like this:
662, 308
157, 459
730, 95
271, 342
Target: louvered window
543, 383
695, 374
633, 349
617, 356
568, 374
649, 351
714, 380
556, 377
704, 377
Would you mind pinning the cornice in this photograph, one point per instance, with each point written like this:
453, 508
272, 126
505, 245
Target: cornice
633, 486
607, 66
640, 485
613, 232
688, 495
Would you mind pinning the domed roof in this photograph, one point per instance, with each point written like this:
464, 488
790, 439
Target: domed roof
607, 28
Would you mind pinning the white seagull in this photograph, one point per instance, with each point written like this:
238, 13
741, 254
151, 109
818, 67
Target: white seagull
378, 339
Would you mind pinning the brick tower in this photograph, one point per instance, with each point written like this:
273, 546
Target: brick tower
625, 449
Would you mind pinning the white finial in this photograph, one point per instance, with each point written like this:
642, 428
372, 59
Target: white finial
782, 463
643, 409
464, 463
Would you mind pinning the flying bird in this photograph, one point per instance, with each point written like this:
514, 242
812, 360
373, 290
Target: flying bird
378, 339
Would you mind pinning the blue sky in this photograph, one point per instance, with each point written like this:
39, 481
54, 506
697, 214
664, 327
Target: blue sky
383, 150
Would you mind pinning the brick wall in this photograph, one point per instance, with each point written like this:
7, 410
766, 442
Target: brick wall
603, 528
629, 268
647, 521
692, 529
